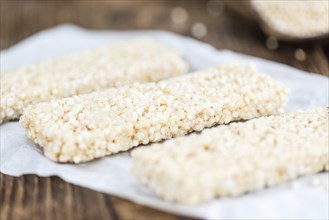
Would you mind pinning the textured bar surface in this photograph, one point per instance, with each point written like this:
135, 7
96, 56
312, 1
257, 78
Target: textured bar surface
109, 66
233, 159
85, 127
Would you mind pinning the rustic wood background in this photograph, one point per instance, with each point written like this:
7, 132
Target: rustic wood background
32, 197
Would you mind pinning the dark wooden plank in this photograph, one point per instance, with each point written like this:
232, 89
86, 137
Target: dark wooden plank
32, 197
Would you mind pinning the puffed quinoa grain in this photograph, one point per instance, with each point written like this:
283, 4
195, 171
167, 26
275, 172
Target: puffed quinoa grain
109, 66
315, 182
233, 159
81, 128
295, 185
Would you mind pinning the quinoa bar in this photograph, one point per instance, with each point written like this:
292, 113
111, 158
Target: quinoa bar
85, 127
109, 66
233, 159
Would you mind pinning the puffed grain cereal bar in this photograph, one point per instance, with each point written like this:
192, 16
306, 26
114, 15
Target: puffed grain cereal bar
233, 159
85, 127
85, 72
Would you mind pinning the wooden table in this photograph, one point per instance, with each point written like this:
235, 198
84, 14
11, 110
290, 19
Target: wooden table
32, 197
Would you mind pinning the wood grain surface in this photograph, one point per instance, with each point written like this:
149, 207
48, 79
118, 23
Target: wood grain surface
32, 197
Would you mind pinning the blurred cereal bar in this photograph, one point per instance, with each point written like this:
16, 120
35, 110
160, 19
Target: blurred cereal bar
287, 20
109, 66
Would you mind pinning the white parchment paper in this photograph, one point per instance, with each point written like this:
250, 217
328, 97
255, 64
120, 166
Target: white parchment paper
111, 175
